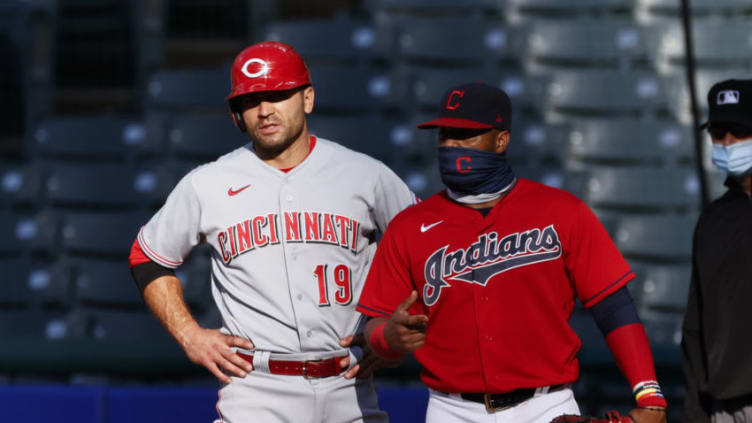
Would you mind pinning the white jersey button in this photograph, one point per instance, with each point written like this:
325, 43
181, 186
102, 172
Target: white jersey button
289, 197
309, 333
300, 297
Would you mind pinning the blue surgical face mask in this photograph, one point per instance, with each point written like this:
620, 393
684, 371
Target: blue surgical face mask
734, 159
474, 176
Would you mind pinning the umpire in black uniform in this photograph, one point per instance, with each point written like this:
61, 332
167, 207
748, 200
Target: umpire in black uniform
716, 342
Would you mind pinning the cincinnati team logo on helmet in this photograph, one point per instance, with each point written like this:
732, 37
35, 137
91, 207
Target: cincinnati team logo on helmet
267, 66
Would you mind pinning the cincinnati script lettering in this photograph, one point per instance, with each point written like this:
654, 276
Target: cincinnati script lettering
488, 257
293, 227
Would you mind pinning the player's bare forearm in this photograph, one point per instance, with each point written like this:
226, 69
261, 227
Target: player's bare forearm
207, 347
164, 296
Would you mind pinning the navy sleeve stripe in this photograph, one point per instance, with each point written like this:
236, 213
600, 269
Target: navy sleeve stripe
374, 310
618, 281
615, 311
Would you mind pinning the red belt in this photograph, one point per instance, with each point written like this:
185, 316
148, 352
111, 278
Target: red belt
308, 369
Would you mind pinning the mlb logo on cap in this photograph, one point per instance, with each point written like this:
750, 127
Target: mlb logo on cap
728, 97
730, 101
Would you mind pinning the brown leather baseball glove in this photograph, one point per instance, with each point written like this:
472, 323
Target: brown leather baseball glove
638, 415
609, 417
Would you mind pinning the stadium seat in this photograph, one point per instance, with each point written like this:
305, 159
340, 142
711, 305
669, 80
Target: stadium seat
663, 328
604, 93
326, 40
14, 292
91, 185
189, 90
101, 233
526, 10
629, 142
663, 287
90, 137
195, 275
34, 325
341, 89
50, 283
21, 184
422, 178
205, 137
597, 43
678, 93
661, 10
428, 85
470, 41
719, 44
547, 174
24, 232
437, 7
124, 326
104, 283
641, 189
534, 141
381, 138
656, 238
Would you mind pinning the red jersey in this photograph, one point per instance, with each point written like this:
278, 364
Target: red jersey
498, 290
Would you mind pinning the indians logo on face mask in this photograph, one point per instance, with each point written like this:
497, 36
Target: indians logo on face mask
487, 257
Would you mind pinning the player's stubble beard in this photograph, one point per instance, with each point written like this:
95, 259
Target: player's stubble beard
270, 150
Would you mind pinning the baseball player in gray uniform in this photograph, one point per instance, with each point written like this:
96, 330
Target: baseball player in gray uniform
292, 220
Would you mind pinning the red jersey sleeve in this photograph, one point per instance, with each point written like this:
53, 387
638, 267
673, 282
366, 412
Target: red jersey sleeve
389, 281
595, 265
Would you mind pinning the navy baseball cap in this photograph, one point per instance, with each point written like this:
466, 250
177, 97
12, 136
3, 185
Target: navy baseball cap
474, 105
730, 101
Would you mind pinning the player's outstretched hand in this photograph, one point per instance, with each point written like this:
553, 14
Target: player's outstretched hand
405, 332
648, 415
211, 349
368, 363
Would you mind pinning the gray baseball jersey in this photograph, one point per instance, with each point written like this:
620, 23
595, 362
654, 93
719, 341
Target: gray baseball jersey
291, 250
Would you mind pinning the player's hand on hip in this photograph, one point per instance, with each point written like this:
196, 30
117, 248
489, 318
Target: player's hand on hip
211, 349
369, 361
405, 332
648, 415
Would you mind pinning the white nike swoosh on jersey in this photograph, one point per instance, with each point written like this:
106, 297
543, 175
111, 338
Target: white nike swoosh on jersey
424, 228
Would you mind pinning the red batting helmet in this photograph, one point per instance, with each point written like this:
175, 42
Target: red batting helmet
267, 66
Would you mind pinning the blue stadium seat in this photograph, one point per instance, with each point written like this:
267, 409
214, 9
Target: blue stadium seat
37, 325
656, 238
101, 233
339, 39
471, 41
50, 283
91, 137
21, 183
342, 89
189, 90
663, 10
718, 44
605, 93
597, 43
124, 326
24, 232
91, 185
205, 137
663, 287
438, 7
381, 138
14, 292
104, 283
534, 141
526, 10
630, 142
641, 189
423, 87
663, 328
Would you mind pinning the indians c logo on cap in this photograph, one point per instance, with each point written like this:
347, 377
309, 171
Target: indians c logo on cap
263, 69
728, 97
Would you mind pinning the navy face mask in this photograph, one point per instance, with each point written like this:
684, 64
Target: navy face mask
474, 176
